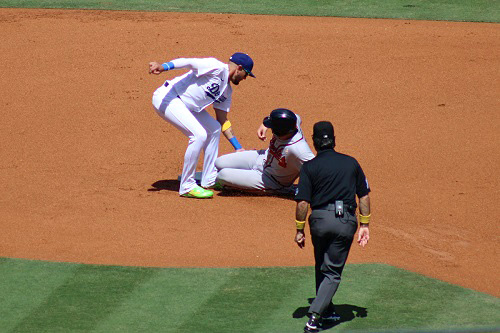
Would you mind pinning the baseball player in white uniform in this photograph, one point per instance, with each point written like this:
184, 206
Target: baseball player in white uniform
273, 170
182, 102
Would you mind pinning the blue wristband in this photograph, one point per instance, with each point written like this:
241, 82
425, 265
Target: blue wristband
235, 143
168, 65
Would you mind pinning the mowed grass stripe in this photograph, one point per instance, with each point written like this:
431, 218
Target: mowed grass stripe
85, 298
252, 300
25, 286
396, 298
290, 312
57, 297
166, 301
464, 307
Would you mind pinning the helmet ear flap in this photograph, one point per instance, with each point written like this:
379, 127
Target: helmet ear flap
267, 122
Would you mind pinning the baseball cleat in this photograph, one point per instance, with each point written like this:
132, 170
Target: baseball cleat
313, 324
198, 193
332, 316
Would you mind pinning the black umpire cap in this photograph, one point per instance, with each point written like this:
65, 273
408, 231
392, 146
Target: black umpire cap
323, 130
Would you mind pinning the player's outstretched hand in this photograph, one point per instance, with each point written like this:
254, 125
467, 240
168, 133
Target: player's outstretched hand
363, 236
300, 239
155, 68
261, 132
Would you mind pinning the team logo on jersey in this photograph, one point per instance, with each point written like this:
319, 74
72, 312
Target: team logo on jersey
275, 153
213, 90
221, 99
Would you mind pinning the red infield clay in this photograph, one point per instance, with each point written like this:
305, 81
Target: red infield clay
88, 171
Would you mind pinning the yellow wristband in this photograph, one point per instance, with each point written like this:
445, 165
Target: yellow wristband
226, 125
300, 224
364, 219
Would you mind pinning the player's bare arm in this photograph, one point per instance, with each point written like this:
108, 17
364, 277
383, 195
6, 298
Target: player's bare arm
227, 128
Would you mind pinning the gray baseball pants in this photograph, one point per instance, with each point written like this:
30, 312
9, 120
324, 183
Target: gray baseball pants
244, 170
332, 237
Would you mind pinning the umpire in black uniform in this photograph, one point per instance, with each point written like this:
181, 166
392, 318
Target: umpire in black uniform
330, 183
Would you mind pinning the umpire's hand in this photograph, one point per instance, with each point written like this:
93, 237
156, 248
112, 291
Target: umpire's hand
300, 238
363, 235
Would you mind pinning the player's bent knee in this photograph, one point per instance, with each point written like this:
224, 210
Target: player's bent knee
199, 137
224, 161
218, 165
223, 176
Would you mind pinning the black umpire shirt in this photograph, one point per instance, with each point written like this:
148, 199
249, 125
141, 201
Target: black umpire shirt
331, 176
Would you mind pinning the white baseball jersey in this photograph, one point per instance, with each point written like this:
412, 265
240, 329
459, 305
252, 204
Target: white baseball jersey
275, 168
285, 157
204, 84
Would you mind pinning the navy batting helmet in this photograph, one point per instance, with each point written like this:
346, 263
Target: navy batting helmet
281, 121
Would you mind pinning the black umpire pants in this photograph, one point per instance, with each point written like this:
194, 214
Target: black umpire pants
332, 237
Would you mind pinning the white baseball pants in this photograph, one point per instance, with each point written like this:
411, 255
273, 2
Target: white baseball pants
202, 130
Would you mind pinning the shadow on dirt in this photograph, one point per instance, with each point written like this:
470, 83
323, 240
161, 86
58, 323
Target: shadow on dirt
165, 185
173, 185
240, 193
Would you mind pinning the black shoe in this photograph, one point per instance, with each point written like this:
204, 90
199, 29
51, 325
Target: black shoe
313, 324
331, 316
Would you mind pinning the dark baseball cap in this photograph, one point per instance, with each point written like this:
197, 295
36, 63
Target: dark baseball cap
244, 60
323, 130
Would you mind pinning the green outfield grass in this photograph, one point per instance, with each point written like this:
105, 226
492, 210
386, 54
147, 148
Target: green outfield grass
39, 296
451, 10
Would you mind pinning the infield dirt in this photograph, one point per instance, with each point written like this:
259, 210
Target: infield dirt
88, 171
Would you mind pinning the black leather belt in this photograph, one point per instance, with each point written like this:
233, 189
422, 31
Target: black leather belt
348, 208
